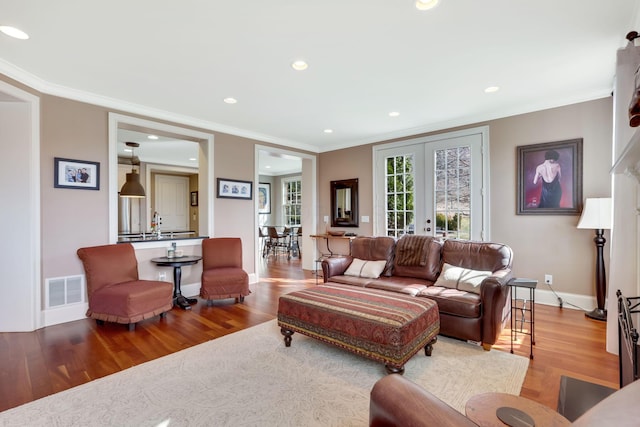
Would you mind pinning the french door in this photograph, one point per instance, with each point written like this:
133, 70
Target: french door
433, 186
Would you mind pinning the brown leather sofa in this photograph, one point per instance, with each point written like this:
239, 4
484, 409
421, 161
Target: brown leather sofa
474, 309
396, 401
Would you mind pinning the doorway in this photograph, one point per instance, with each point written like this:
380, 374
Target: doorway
305, 169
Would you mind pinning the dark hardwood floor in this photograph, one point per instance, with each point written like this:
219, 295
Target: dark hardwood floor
52, 359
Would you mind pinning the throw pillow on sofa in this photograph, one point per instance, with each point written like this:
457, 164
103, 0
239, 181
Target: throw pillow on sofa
366, 269
463, 279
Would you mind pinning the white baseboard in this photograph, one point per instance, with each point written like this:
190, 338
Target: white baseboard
570, 301
69, 313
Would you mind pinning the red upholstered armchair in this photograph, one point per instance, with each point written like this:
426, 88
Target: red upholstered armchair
222, 273
116, 294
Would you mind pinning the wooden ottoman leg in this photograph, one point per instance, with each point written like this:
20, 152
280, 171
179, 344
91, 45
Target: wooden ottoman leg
394, 370
429, 347
287, 336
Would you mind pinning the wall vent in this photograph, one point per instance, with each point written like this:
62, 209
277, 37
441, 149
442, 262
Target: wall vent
61, 291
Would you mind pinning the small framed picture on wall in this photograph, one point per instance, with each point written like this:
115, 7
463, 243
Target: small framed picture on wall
234, 189
76, 174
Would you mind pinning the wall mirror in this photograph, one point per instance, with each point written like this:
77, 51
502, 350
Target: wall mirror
344, 203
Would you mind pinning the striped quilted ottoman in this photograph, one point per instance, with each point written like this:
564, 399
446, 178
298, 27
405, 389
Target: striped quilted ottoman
380, 325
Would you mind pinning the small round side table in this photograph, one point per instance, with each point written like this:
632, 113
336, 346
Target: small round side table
481, 409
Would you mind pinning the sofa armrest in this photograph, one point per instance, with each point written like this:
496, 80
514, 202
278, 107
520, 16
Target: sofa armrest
494, 293
396, 401
335, 266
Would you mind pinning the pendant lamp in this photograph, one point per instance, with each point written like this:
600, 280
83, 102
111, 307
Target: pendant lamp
132, 187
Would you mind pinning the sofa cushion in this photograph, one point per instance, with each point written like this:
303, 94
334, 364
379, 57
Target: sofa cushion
477, 255
454, 301
461, 278
431, 267
404, 285
375, 249
365, 268
350, 280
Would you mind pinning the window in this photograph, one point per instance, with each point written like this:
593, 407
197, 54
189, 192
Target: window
400, 212
292, 200
453, 192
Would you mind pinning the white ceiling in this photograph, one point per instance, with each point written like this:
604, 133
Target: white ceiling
178, 60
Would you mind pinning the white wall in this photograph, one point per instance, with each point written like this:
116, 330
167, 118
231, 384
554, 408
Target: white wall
19, 261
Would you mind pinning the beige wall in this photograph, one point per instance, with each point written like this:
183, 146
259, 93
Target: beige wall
71, 218
543, 244
75, 218
551, 244
548, 244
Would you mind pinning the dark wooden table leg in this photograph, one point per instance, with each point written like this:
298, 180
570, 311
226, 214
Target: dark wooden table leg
394, 370
287, 336
429, 347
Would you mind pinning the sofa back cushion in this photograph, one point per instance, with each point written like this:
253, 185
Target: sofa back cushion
428, 266
374, 249
477, 255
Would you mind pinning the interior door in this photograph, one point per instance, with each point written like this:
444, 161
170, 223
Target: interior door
172, 202
432, 186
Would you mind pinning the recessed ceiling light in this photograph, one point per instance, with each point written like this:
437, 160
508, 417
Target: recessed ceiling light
328, 131
152, 137
193, 159
426, 4
230, 100
492, 89
299, 65
267, 167
394, 114
14, 32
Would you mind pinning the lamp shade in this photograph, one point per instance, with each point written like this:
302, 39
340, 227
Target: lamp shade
596, 214
132, 187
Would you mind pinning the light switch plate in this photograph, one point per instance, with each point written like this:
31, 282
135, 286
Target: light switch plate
326, 219
365, 218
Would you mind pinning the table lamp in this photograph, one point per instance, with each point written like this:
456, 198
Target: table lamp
596, 215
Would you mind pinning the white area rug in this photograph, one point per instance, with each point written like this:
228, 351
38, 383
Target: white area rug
250, 378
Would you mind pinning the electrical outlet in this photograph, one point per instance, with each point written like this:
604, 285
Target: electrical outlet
548, 279
162, 276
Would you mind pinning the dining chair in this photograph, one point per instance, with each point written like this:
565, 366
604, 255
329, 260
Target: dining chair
295, 242
265, 242
279, 242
